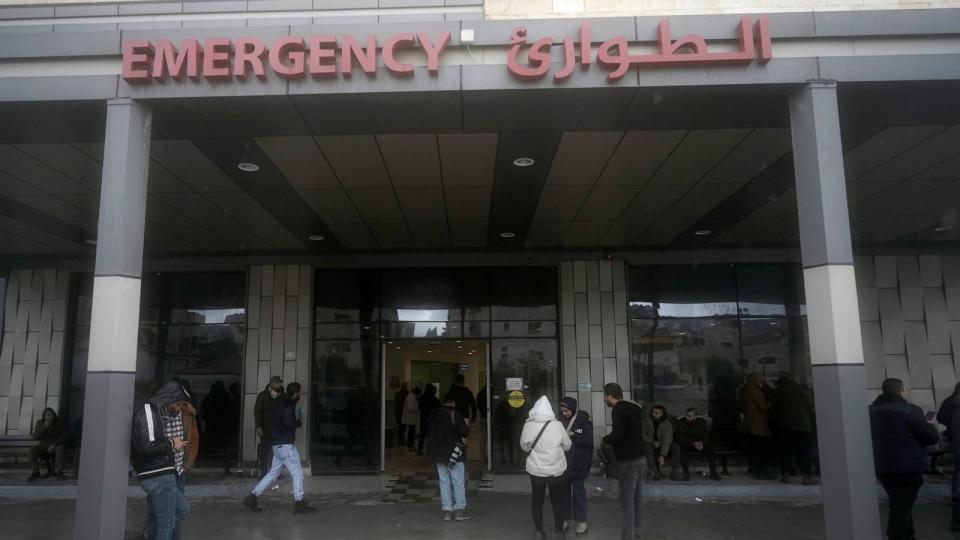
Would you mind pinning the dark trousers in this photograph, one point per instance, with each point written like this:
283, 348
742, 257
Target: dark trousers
795, 445
559, 497
423, 439
631, 496
411, 436
578, 500
264, 456
41, 451
686, 450
902, 490
507, 446
401, 434
673, 455
758, 453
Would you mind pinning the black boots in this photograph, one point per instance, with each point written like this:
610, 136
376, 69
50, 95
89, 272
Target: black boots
251, 503
301, 507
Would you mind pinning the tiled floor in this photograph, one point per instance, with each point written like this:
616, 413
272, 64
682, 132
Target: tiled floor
421, 486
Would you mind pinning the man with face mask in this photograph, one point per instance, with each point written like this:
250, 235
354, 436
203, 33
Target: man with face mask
285, 455
262, 417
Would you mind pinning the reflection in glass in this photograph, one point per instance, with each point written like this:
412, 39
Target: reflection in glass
208, 316
762, 289
766, 347
400, 330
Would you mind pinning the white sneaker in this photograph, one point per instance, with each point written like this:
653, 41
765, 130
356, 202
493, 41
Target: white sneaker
581, 527
275, 487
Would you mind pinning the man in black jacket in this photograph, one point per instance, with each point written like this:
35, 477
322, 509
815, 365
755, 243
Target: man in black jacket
693, 435
900, 433
626, 438
466, 403
445, 448
157, 458
262, 417
286, 420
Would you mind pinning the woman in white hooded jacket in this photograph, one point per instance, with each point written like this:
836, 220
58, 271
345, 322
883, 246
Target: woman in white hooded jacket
546, 439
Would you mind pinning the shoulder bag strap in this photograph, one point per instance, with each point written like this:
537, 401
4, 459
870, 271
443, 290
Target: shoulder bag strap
535, 441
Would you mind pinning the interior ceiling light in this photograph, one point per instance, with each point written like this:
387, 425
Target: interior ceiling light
944, 228
248, 167
523, 162
507, 235
91, 242
317, 237
703, 232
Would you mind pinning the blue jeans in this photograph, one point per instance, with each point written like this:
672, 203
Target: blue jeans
456, 475
630, 496
167, 506
284, 456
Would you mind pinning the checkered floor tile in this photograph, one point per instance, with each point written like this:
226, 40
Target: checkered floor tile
422, 487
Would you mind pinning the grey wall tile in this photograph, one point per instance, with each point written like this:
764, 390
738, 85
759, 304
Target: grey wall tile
344, 4
918, 355
279, 280
567, 307
253, 311
886, 271
930, 271
215, 7
606, 275
869, 309
583, 338
254, 277
464, 17
620, 292
891, 321
865, 274
583, 370
908, 271
412, 18
951, 270
596, 342
566, 277
944, 376
609, 339
150, 8
257, 22
279, 5
952, 295
38, 12
59, 45
78, 28
579, 276
873, 358
293, 279
90, 10
935, 310
955, 344
609, 370
593, 305
355, 19
279, 311
276, 351
304, 359
251, 360
266, 283
409, 3
911, 303
897, 366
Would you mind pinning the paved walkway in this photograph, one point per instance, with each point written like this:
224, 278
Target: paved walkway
500, 516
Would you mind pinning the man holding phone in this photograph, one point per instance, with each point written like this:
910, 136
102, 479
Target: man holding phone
158, 450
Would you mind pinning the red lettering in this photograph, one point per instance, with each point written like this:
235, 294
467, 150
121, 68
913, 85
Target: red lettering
216, 59
366, 58
292, 49
136, 60
248, 54
433, 50
168, 62
323, 54
389, 54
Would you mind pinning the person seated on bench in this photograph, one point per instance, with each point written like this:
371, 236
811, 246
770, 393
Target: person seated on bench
658, 436
693, 436
53, 435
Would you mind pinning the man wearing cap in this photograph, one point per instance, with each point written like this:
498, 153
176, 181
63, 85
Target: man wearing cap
262, 415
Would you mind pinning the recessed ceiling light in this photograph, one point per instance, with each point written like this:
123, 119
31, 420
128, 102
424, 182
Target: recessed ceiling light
703, 232
248, 167
944, 228
397, 348
317, 237
428, 350
523, 162
389, 343
507, 235
91, 242
366, 327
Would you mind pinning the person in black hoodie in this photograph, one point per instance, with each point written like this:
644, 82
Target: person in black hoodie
428, 403
462, 396
158, 460
52, 434
900, 433
286, 420
626, 438
446, 449
579, 459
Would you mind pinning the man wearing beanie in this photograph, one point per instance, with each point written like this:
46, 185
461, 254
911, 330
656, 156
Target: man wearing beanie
579, 458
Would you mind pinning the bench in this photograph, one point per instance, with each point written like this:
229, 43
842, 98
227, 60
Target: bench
18, 448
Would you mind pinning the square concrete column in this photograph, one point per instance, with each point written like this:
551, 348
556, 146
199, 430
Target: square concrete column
836, 349
112, 361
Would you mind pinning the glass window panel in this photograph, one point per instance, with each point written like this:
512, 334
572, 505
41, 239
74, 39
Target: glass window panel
346, 296
695, 291
524, 328
476, 329
641, 292
205, 349
766, 347
533, 360
417, 315
524, 294
762, 289
208, 316
346, 406
427, 329
419, 289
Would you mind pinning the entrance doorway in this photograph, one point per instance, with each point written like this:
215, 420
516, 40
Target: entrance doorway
411, 367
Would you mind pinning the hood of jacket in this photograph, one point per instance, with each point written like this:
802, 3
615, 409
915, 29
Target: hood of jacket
168, 394
542, 411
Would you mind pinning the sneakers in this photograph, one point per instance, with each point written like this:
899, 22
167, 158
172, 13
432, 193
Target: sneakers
460, 515
581, 528
447, 516
251, 502
301, 507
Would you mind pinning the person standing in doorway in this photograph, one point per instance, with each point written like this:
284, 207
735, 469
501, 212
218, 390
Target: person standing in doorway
466, 403
900, 433
579, 460
428, 403
262, 419
285, 454
546, 440
447, 449
399, 401
411, 417
756, 423
626, 438
159, 457
792, 414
